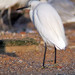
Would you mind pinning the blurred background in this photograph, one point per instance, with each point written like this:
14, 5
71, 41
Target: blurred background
18, 21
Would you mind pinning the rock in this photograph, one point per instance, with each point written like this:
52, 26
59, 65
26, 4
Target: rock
20, 61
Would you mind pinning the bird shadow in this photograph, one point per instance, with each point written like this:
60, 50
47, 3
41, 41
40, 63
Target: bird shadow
3, 50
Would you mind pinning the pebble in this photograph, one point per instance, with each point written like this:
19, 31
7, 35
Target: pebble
31, 74
30, 66
60, 74
42, 42
14, 52
2, 32
22, 35
59, 69
0, 66
14, 34
71, 47
20, 61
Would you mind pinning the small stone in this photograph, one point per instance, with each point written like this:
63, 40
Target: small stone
14, 52
2, 32
20, 61
42, 42
37, 48
60, 74
14, 34
71, 47
31, 74
0, 66
59, 69
30, 66
26, 67
22, 35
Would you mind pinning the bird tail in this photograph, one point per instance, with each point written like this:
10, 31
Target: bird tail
61, 44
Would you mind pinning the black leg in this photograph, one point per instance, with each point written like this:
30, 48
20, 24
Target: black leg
55, 55
44, 55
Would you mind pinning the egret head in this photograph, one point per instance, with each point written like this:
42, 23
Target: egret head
32, 4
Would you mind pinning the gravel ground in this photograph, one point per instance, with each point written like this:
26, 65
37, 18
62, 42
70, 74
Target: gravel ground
27, 60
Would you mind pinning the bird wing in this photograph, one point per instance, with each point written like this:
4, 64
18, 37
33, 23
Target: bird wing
49, 25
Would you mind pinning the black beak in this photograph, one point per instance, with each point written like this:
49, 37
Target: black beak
22, 8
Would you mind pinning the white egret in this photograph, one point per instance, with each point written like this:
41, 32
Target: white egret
48, 24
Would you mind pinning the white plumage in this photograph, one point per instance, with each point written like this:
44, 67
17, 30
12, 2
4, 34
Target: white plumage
48, 24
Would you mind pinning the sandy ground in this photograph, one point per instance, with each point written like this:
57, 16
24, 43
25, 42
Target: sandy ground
27, 60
